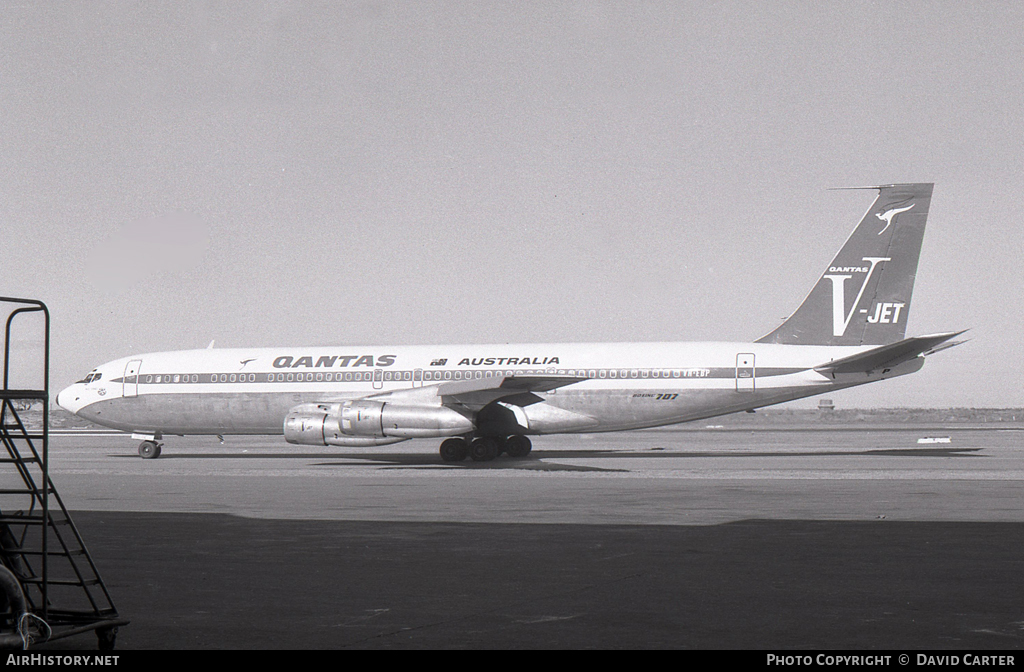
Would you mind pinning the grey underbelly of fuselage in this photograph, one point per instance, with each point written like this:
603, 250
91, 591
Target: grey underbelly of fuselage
236, 413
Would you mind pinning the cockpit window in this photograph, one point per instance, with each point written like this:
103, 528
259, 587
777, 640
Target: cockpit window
92, 377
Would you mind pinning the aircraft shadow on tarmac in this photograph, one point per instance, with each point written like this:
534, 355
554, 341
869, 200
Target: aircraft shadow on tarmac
401, 461
536, 461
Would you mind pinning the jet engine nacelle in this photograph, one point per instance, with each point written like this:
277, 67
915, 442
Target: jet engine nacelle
317, 425
370, 423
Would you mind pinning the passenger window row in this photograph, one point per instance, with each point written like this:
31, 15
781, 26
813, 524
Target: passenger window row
408, 376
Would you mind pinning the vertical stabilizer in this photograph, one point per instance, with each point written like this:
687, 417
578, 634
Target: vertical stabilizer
863, 297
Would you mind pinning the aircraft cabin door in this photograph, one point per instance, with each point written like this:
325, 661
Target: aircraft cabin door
131, 378
745, 372
417, 378
378, 379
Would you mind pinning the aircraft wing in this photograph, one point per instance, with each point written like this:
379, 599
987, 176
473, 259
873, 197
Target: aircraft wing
889, 356
516, 390
477, 393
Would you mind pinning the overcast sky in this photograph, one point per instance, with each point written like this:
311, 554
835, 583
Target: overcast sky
297, 173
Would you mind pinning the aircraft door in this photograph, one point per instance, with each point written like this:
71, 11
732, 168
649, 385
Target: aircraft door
417, 378
378, 379
745, 372
131, 378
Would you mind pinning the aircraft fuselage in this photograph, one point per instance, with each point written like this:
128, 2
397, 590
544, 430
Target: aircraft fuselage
623, 386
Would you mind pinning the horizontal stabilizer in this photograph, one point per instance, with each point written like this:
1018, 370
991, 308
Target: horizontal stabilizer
889, 356
944, 346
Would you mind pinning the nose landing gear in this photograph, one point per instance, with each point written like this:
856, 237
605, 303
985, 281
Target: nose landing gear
149, 450
485, 448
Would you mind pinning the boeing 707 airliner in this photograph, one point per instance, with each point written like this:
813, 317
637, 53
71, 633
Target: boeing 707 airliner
485, 400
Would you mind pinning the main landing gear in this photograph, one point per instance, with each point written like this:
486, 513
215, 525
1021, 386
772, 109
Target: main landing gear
485, 448
149, 450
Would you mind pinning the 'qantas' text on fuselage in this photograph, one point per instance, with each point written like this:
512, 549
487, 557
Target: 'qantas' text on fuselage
285, 362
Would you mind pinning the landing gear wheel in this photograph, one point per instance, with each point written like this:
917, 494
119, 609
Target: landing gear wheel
454, 450
518, 446
149, 450
483, 449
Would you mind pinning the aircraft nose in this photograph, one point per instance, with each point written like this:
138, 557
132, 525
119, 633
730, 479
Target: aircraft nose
67, 399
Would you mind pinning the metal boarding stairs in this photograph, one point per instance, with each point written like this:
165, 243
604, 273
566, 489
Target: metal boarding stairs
49, 586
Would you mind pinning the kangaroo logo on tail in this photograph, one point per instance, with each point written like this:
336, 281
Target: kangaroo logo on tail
889, 214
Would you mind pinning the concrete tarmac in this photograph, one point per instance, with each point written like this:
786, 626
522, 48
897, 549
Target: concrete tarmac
767, 539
